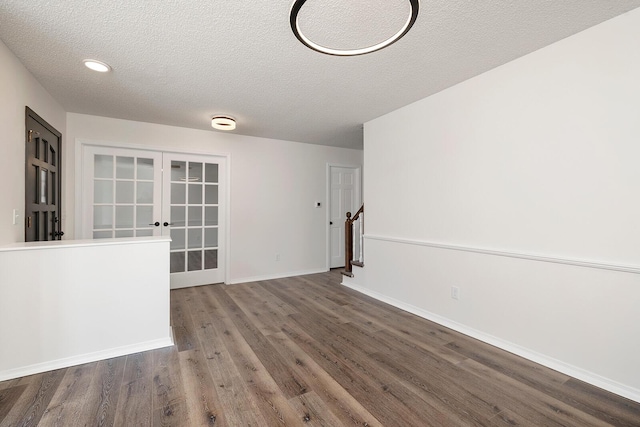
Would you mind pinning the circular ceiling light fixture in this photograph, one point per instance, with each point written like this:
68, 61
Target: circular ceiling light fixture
223, 123
98, 66
295, 27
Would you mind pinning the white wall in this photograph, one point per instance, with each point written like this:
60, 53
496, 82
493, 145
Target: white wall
274, 185
495, 184
18, 88
69, 303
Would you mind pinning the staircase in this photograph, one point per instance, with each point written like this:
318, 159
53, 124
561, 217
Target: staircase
353, 242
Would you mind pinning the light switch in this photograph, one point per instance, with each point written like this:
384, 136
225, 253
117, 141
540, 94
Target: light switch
16, 215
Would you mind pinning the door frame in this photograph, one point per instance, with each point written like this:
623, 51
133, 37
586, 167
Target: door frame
358, 170
79, 147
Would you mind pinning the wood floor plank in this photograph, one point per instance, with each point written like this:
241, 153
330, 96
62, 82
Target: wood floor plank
536, 376
383, 396
168, 394
508, 418
534, 405
266, 316
103, 394
314, 411
69, 400
296, 298
135, 403
340, 333
175, 414
394, 338
235, 397
343, 405
203, 404
277, 304
8, 398
181, 322
599, 403
268, 396
9, 383
301, 296
138, 365
586, 398
30, 406
286, 378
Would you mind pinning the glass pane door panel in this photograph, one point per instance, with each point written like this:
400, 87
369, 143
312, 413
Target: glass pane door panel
177, 262
144, 192
195, 172
177, 216
178, 194
178, 171
195, 194
195, 260
145, 169
124, 216
123, 192
103, 166
195, 238
144, 216
178, 238
124, 167
211, 237
211, 194
211, 173
195, 216
210, 259
102, 217
211, 215
103, 191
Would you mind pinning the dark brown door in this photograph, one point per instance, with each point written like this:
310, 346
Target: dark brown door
43, 180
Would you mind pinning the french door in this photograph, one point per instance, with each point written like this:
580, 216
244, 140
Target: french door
192, 195
137, 193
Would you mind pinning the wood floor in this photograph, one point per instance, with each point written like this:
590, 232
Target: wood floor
308, 351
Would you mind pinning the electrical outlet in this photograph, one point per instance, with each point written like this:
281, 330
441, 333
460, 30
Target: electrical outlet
455, 292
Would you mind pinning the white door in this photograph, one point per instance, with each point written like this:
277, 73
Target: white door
344, 197
121, 193
193, 195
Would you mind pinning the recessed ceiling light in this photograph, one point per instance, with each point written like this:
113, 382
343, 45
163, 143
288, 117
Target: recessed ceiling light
223, 123
295, 27
97, 65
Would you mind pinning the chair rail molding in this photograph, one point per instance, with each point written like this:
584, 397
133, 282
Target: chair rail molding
521, 255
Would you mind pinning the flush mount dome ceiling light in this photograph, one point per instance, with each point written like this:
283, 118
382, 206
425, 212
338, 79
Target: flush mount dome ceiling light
223, 123
98, 66
295, 27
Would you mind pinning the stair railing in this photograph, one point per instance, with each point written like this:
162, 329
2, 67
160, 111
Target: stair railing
353, 241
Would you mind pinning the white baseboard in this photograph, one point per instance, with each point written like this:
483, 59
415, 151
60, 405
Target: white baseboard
66, 362
549, 362
275, 276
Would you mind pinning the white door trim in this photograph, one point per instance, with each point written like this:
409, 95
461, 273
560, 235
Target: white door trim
358, 170
81, 143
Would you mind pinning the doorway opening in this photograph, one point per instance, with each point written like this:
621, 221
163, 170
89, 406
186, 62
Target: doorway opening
344, 195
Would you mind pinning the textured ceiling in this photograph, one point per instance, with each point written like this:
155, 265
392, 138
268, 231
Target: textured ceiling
179, 62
